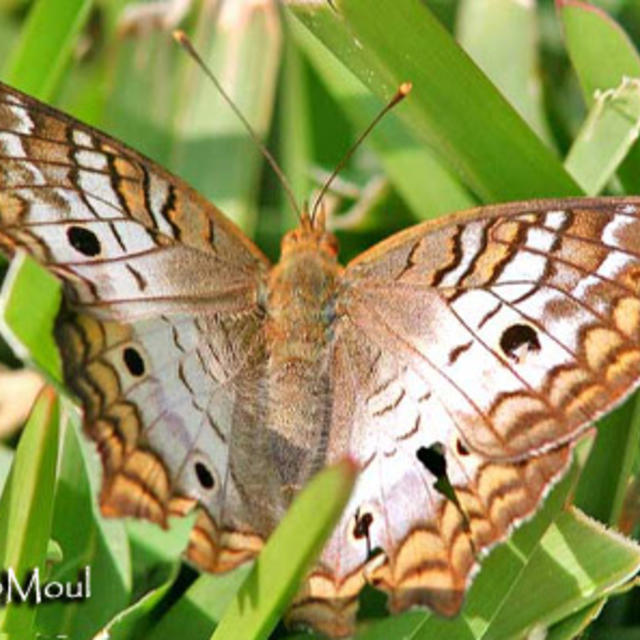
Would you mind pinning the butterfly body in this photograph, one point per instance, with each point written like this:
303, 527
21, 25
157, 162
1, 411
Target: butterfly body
479, 346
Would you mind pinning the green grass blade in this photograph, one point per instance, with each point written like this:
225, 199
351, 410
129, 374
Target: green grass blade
26, 507
212, 148
424, 183
29, 302
38, 61
275, 577
610, 130
133, 622
602, 55
603, 485
452, 103
86, 540
601, 52
294, 130
492, 31
201, 607
574, 625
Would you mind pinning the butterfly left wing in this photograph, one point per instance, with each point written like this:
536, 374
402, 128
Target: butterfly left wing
523, 318
481, 345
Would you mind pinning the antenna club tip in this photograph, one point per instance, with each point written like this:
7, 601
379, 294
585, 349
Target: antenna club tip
405, 88
179, 35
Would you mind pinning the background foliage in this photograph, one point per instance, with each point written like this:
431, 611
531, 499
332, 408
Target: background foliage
309, 78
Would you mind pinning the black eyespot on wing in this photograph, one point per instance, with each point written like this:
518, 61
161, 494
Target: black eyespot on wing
205, 477
363, 523
133, 361
516, 336
433, 459
461, 449
84, 241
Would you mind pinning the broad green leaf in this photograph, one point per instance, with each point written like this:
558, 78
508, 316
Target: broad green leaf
29, 302
38, 61
587, 561
276, 575
610, 130
26, 508
452, 103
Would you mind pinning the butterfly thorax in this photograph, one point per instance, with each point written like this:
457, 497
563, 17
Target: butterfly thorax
301, 291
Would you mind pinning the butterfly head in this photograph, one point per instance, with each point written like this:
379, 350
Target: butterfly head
310, 235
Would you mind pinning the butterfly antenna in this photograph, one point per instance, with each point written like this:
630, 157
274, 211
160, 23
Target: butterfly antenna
182, 39
400, 95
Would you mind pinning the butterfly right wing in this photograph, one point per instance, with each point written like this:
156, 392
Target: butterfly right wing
162, 317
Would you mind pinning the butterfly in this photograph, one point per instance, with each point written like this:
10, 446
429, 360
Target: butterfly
477, 347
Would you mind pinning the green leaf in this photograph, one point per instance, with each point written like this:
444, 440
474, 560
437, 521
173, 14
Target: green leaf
133, 622
602, 488
26, 507
29, 302
601, 52
276, 575
38, 61
587, 561
452, 104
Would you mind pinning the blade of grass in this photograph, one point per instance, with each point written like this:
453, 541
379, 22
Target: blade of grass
492, 31
452, 103
201, 606
26, 507
276, 575
610, 130
28, 327
602, 488
212, 148
295, 135
602, 55
86, 541
422, 180
38, 61
133, 621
